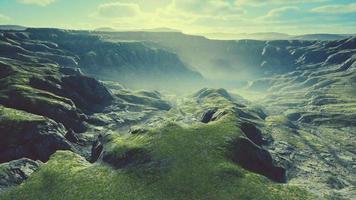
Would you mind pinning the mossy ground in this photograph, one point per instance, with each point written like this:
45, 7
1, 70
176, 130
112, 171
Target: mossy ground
186, 163
8, 115
12, 123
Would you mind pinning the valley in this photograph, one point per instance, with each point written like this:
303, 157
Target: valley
165, 115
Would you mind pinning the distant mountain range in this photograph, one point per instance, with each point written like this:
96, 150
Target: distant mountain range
258, 36
159, 29
218, 35
275, 36
12, 27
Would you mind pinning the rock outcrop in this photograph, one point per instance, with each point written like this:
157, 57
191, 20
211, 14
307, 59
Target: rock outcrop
31, 136
252, 133
15, 172
254, 158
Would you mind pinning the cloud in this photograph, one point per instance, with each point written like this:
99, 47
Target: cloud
149, 5
37, 2
197, 16
208, 7
117, 10
4, 17
337, 8
177, 14
281, 13
264, 2
192, 7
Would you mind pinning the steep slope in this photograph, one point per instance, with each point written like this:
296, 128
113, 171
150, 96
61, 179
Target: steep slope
47, 105
126, 62
312, 109
214, 59
234, 60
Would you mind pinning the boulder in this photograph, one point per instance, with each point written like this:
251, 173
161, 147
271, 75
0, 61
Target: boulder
15, 172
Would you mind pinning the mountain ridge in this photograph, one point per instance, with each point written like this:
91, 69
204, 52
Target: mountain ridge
58, 107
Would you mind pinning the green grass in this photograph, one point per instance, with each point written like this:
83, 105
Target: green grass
186, 163
276, 119
19, 83
140, 99
15, 122
8, 115
12, 121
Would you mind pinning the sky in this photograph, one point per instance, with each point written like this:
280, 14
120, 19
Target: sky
189, 16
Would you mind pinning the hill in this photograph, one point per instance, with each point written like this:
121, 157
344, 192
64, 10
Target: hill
79, 118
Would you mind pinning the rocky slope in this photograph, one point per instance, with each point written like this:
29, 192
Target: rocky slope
236, 60
101, 140
48, 104
316, 102
126, 62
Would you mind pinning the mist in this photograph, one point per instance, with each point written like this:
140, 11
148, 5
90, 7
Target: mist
177, 99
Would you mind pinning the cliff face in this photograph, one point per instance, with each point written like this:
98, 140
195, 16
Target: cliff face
242, 59
177, 59
131, 63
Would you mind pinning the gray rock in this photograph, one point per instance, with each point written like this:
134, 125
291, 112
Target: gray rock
96, 149
15, 172
86, 92
208, 115
34, 137
252, 157
252, 133
71, 136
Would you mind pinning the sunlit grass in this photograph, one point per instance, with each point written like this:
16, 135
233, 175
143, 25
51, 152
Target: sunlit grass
186, 163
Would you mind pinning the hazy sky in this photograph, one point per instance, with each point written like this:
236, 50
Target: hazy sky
190, 16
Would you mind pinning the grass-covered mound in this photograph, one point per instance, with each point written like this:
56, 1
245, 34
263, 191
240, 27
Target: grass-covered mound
170, 162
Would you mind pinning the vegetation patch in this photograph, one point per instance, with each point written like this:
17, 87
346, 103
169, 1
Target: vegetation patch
185, 163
